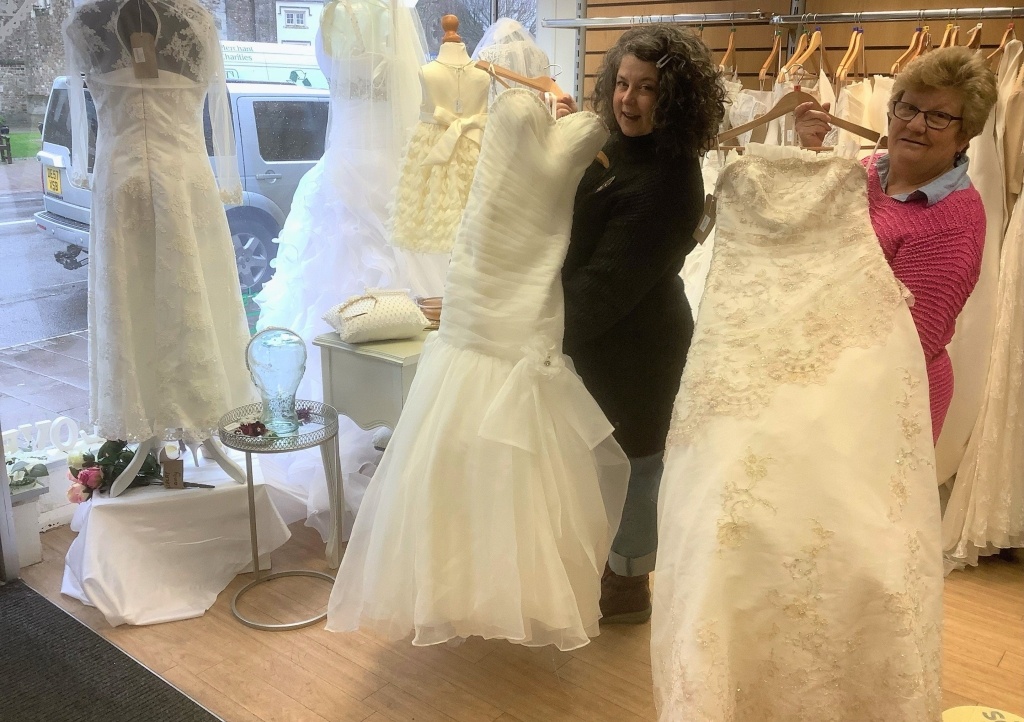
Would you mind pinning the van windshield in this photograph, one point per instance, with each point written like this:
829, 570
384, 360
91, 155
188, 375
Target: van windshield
57, 126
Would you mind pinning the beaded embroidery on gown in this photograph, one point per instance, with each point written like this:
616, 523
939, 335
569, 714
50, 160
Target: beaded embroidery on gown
167, 327
799, 569
494, 507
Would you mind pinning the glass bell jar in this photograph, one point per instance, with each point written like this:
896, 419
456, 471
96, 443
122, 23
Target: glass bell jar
276, 358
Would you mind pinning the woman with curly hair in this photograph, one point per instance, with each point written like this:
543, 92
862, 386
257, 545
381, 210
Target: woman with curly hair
627, 321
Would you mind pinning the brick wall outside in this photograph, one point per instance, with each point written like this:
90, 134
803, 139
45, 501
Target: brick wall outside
34, 53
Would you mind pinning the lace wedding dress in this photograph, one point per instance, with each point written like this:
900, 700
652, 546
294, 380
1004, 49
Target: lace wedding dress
167, 330
985, 512
334, 243
493, 509
799, 570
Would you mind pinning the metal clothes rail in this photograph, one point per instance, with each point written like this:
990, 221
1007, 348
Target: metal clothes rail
950, 14
757, 17
628, 21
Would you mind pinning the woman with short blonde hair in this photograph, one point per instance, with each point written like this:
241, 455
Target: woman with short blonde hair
927, 215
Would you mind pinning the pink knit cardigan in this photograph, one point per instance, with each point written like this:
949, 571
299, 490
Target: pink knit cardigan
936, 252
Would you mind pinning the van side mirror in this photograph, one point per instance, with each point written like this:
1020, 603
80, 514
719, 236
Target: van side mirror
40, 126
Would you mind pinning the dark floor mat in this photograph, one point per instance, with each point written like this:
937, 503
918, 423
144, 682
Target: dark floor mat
55, 669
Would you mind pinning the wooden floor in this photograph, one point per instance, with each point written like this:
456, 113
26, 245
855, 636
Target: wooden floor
242, 674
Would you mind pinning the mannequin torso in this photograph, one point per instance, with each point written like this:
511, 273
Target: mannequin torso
452, 82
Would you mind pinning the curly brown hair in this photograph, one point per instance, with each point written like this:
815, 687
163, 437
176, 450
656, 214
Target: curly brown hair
691, 97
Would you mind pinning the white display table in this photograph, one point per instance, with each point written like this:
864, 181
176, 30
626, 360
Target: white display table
368, 382
157, 555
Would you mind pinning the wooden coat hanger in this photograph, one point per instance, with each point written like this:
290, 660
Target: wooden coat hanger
857, 54
812, 45
902, 60
994, 58
947, 36
762, 76
801, 45
542, 83
730, 52
974, 37
924, 43
787, 104
848, 55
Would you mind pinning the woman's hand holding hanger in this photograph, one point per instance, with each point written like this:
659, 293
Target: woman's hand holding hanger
811, 125
565, 105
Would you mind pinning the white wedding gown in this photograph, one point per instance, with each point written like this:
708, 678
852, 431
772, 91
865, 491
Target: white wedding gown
334, 243
493, 509
167, 330
799, 571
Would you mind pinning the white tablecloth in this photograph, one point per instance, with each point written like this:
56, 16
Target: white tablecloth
157, 555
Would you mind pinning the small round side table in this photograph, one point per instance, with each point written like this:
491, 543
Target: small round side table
320, 430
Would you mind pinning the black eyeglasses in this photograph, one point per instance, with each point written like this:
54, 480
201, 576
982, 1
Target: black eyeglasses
934, 119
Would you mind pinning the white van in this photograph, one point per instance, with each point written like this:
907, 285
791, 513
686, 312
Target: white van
294, 64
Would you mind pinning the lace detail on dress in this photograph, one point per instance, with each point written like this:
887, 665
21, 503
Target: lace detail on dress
908, 458
733, 528
810, 321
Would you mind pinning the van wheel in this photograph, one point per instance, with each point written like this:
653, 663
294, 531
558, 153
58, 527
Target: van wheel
254, 250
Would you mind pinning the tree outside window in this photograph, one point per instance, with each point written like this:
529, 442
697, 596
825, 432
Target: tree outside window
474, 18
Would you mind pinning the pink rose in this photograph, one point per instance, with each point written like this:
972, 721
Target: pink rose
77, 493
91, 477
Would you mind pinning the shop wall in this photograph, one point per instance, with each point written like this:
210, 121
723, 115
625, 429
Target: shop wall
884, 42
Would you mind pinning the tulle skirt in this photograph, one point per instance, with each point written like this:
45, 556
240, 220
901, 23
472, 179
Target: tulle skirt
492, 511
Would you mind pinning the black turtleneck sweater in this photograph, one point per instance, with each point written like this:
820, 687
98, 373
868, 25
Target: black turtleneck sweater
627, 322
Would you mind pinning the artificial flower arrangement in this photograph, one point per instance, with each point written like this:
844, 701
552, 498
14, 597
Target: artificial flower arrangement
90, 472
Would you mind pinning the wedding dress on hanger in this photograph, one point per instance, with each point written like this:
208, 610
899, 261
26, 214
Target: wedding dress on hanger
985, 511
167, 330
494, 507
799, 571
970, 349
334, 243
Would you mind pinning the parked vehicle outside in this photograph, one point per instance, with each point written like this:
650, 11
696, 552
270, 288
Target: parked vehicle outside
280, 131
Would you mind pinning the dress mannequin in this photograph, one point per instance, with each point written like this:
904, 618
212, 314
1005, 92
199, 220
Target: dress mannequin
334, 243
167, 326
439, 162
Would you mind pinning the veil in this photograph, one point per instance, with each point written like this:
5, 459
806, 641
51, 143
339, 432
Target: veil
335, 243
508, 44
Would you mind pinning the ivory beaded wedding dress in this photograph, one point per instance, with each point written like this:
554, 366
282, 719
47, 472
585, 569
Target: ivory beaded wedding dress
799, 570
493, 509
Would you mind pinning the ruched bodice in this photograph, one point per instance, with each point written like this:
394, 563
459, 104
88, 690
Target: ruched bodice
503, 286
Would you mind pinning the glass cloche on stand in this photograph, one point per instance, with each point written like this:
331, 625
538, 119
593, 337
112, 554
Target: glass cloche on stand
276, 359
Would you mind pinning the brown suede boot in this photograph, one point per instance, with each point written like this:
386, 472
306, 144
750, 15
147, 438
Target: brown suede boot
624, 600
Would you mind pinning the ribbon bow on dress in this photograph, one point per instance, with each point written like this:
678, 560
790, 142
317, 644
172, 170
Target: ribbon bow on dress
471, 126
538, 388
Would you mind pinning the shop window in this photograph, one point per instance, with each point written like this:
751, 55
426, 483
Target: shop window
291, 130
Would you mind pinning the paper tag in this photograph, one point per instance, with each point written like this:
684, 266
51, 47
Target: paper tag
144, 55
173, 471
707, 220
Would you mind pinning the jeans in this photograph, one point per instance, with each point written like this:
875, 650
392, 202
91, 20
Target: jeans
635, 548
